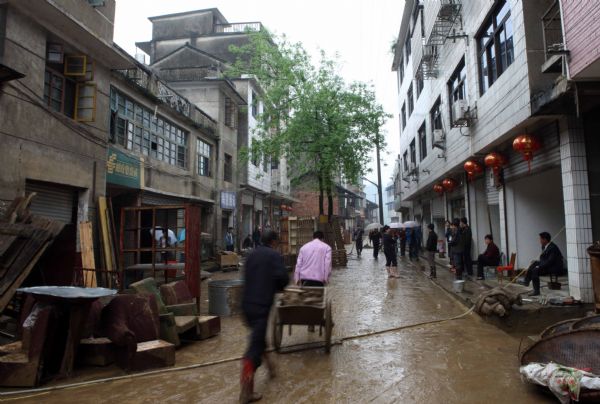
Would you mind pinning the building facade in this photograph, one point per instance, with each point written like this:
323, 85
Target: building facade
472, 77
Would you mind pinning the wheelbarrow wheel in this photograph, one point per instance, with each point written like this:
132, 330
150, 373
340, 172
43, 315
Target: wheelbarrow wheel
277, 332
328, 326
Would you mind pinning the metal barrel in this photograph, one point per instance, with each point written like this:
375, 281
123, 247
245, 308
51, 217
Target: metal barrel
225, 297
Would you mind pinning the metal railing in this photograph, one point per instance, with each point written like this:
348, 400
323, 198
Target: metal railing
552, 31
238, 28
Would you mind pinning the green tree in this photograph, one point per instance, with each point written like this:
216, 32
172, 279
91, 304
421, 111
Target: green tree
312, 117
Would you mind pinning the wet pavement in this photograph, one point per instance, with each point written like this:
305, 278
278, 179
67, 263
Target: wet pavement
459, 361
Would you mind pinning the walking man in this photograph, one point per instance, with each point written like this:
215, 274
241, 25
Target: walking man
358, 239
550, 262
431, 248
313, 267
402, 237
458, 248
389, 249
229, 240
490, 257
265, 275
376, 238
467, 237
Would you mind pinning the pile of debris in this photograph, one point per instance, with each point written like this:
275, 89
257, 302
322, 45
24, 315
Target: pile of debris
498, 301
303, 297
23, 239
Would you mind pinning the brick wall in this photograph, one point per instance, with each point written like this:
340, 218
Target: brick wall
582, 33
309, 204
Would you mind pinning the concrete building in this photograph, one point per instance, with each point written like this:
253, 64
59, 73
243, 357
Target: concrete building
473, 76
55, 63
190, 51
390, 214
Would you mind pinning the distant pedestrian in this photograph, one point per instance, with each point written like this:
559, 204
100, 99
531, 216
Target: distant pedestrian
490, 257
247, 242
256, 236
358, 239
458, 248
265, 275
468, 238
389, 249
376, 239
402, 237
229, 240
431, 248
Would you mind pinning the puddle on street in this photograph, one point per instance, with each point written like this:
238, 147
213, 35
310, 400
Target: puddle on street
461, 361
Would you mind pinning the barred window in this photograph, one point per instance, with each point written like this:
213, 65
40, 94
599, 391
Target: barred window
203, 150
230, 113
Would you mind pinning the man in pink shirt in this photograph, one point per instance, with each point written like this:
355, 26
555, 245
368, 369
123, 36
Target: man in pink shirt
313, 266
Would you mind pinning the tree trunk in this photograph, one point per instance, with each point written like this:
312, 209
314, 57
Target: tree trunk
321, 198
329, 201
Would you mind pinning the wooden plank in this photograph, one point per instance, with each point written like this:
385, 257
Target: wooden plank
105, 236
23, 259
86, 241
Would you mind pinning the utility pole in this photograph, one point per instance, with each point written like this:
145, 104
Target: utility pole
379, 187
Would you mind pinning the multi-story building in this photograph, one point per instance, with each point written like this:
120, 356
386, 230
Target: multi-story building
190, 51
56, 59
390, 214
472, 77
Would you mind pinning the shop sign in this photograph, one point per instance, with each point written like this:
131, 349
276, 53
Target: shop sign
122, 169
227, 200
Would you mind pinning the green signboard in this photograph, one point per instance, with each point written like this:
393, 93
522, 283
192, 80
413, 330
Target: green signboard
122, 169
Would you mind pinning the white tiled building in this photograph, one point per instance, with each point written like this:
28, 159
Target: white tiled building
472, 76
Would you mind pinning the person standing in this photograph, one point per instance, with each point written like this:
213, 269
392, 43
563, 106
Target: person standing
458, 248
229, 240
389, 249
256, 236
448, 235
265, 275
313, 267
358, 239
490, 257
376, 238
402, 236
409, 236
468, 238
431, 247
550, 262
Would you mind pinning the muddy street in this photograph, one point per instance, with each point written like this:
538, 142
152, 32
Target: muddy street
460, 361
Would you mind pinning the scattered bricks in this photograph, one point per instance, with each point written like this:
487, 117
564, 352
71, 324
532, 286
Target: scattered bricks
208, 326
96, 352
153, 354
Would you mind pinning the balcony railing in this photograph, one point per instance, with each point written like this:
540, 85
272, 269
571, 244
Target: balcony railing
552, 31
238, 28
189, 73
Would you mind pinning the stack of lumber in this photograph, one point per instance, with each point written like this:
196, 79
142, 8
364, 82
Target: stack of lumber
23, 240
333, 236
302, 297
498, 301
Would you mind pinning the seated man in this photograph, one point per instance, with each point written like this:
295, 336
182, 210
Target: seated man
551, 262
491, 256
313, 266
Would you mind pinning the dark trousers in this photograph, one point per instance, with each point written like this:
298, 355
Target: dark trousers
359, 245
376, 247
309, 282
467, 262
533, 275
414, 251
229, 248
402, 248
257, 318
457, 258
390, 258
483, 261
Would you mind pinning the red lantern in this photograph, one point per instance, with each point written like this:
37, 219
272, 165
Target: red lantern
526, 145
439, 189
473, 169
496, 161
449, 184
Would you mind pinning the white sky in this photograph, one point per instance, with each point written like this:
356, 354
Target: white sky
360, 31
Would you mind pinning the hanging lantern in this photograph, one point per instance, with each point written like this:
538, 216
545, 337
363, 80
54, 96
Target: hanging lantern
473, 169
438, 189
449, 184
526, 145
496, 161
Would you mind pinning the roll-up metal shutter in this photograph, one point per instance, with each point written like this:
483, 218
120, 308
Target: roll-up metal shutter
437, 208
493, 195
150, 198
53, 201
545, 158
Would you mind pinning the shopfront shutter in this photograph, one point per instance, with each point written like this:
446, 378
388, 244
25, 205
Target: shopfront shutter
153, 199
493, 195
437, 208
545, 158
53, 201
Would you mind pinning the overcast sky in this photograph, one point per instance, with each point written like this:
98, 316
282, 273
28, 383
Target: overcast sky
360, 31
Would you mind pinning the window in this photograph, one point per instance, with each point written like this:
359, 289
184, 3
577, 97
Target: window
420, 85
422, 142
54, 53
457, 89
407, 48
228, 168
230, 113
400, 73
411, 102
138, 129
254, 104
255, 156
403, 116
405, 159
413, 152
496, 51
435, 115
203, 150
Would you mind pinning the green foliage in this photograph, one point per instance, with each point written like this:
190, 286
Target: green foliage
320, 123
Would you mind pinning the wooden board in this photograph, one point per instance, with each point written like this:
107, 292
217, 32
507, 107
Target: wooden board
88, 263
105, 237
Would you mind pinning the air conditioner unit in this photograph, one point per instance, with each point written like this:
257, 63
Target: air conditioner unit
460, 113
438, 136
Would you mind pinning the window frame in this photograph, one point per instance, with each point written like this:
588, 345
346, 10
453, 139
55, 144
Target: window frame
454, 91
413, 151
422, 136
405, 158
204, 156
254, 105
403, 116
411, 101
436, 118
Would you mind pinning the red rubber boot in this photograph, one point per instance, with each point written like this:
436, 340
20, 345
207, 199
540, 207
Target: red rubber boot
247, 394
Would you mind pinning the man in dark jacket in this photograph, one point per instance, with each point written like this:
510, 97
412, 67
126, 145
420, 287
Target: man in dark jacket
491, 256
376, 239
358, 239
265, 275
550, 262
458, 248
431, 248
467, 237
